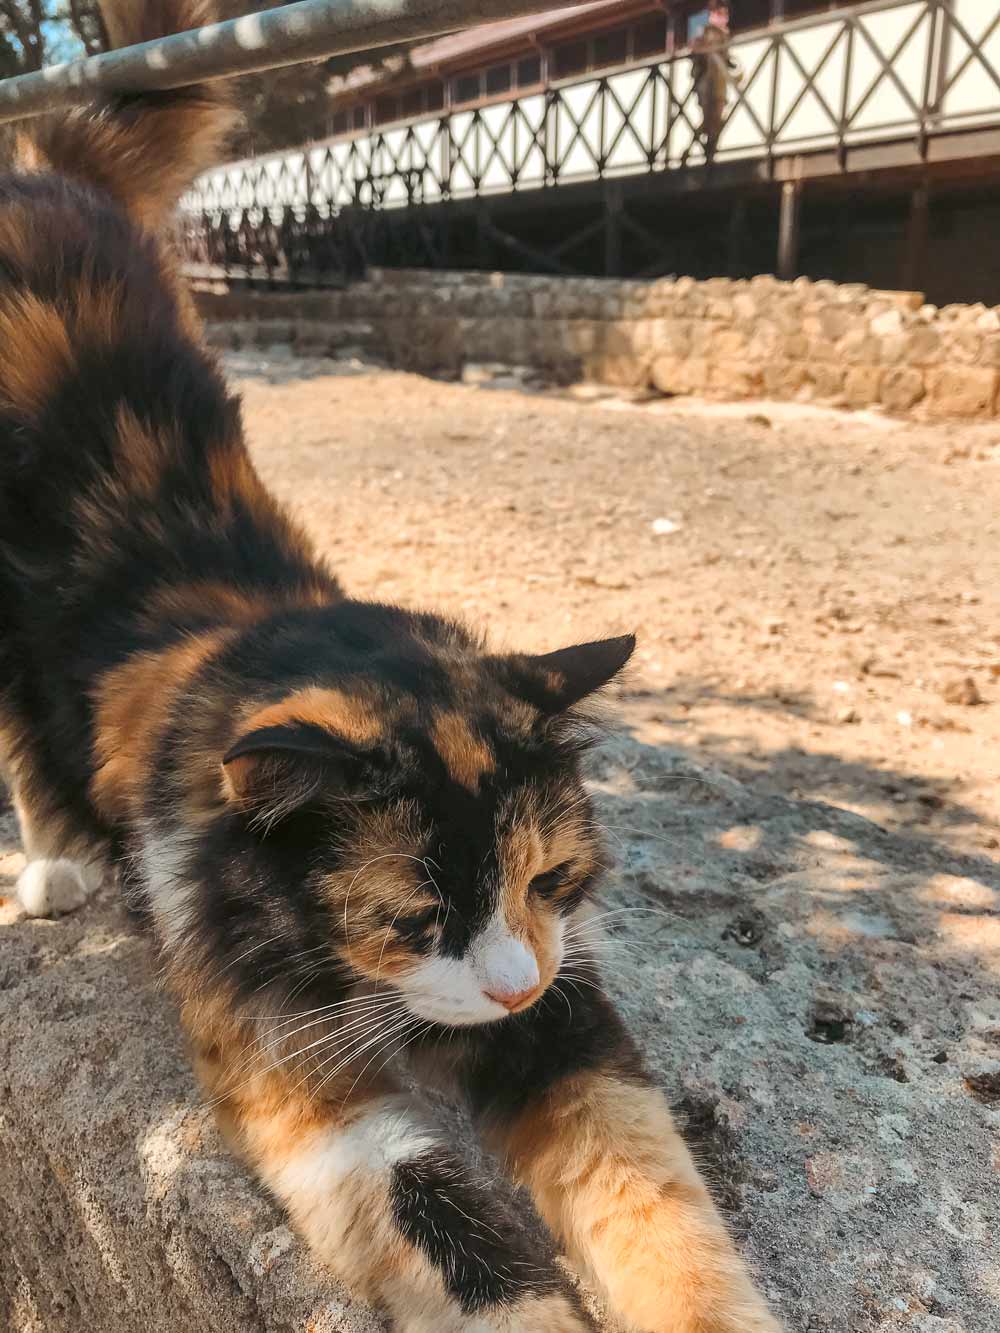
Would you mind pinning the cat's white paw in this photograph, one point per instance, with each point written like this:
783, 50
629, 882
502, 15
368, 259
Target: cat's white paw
52, 887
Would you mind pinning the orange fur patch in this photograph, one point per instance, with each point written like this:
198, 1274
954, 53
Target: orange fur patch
614, 1180
141, 455
383, 880
348, 716
233, 476
466, 756
131, 707
36, 352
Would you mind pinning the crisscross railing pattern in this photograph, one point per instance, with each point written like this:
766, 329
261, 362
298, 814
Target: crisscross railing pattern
881, 71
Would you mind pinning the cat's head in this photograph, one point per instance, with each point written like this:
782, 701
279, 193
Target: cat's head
428, 821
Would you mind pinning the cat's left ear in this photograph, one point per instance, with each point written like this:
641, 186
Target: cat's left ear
554, 682
272, 771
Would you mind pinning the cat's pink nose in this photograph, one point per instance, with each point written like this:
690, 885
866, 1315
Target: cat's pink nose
511, 999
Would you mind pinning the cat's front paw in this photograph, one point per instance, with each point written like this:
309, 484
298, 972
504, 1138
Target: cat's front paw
755, 1318
553, 1314
54, 886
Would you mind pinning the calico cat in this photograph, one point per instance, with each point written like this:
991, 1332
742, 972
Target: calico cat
349, 828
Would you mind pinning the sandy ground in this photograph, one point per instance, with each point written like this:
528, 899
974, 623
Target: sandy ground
816, 620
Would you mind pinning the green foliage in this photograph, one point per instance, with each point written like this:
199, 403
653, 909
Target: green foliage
34, 33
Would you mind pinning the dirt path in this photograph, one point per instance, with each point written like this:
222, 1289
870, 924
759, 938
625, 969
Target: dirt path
815, 623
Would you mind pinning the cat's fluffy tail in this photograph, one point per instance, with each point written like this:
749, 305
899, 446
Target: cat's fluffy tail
144, 149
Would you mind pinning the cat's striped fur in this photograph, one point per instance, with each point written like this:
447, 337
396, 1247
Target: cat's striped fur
348, 827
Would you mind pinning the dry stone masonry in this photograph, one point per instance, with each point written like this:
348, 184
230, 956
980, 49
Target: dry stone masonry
842, 344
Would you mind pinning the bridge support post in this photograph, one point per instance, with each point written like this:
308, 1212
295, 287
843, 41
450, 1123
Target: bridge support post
484, 241
612, 230
736, 247
788, 230
915, 253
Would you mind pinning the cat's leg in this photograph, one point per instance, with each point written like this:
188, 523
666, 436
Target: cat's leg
389, 1207
61, 872
563, 1096
64, 866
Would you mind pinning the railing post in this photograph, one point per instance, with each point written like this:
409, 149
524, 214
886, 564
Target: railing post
788, 230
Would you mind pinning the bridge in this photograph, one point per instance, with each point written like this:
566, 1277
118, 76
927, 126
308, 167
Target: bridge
901, 86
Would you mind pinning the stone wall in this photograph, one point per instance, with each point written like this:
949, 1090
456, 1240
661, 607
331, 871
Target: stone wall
846, 345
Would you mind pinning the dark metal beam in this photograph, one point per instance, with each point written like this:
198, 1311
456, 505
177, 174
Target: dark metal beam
917, 226
307, 30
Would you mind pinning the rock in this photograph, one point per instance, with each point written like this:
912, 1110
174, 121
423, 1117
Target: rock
961, 391
834, 322
902, 387
784, 379
679, 375
861, 385
858, 348
962, 690
735, 379
490, 372
888, 323
827, 379
985, 1087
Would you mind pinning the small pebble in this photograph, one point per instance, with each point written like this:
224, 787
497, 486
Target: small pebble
962, 691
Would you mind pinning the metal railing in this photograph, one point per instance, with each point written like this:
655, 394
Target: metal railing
305, 30
884, 71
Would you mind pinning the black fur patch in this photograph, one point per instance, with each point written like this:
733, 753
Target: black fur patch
480, 1247
571, 1030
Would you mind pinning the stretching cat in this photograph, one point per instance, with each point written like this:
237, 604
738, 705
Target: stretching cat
348, 827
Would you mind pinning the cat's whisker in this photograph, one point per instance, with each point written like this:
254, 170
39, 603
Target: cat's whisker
428, 862
384, 856
351, 1020
562, 813
640, 832
581, 981
292, 959
397, 1050
409, 898
591, 922
564, 997
367, 1022
268, 1041
357, 1048
254, 948
339, 1007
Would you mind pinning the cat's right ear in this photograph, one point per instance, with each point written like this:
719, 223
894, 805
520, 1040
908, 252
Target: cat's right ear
272, 771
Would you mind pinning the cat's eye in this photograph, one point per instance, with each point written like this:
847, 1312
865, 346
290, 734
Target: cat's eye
419, 925
548, 883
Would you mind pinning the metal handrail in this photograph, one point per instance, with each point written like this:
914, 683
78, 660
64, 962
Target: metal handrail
307, 30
